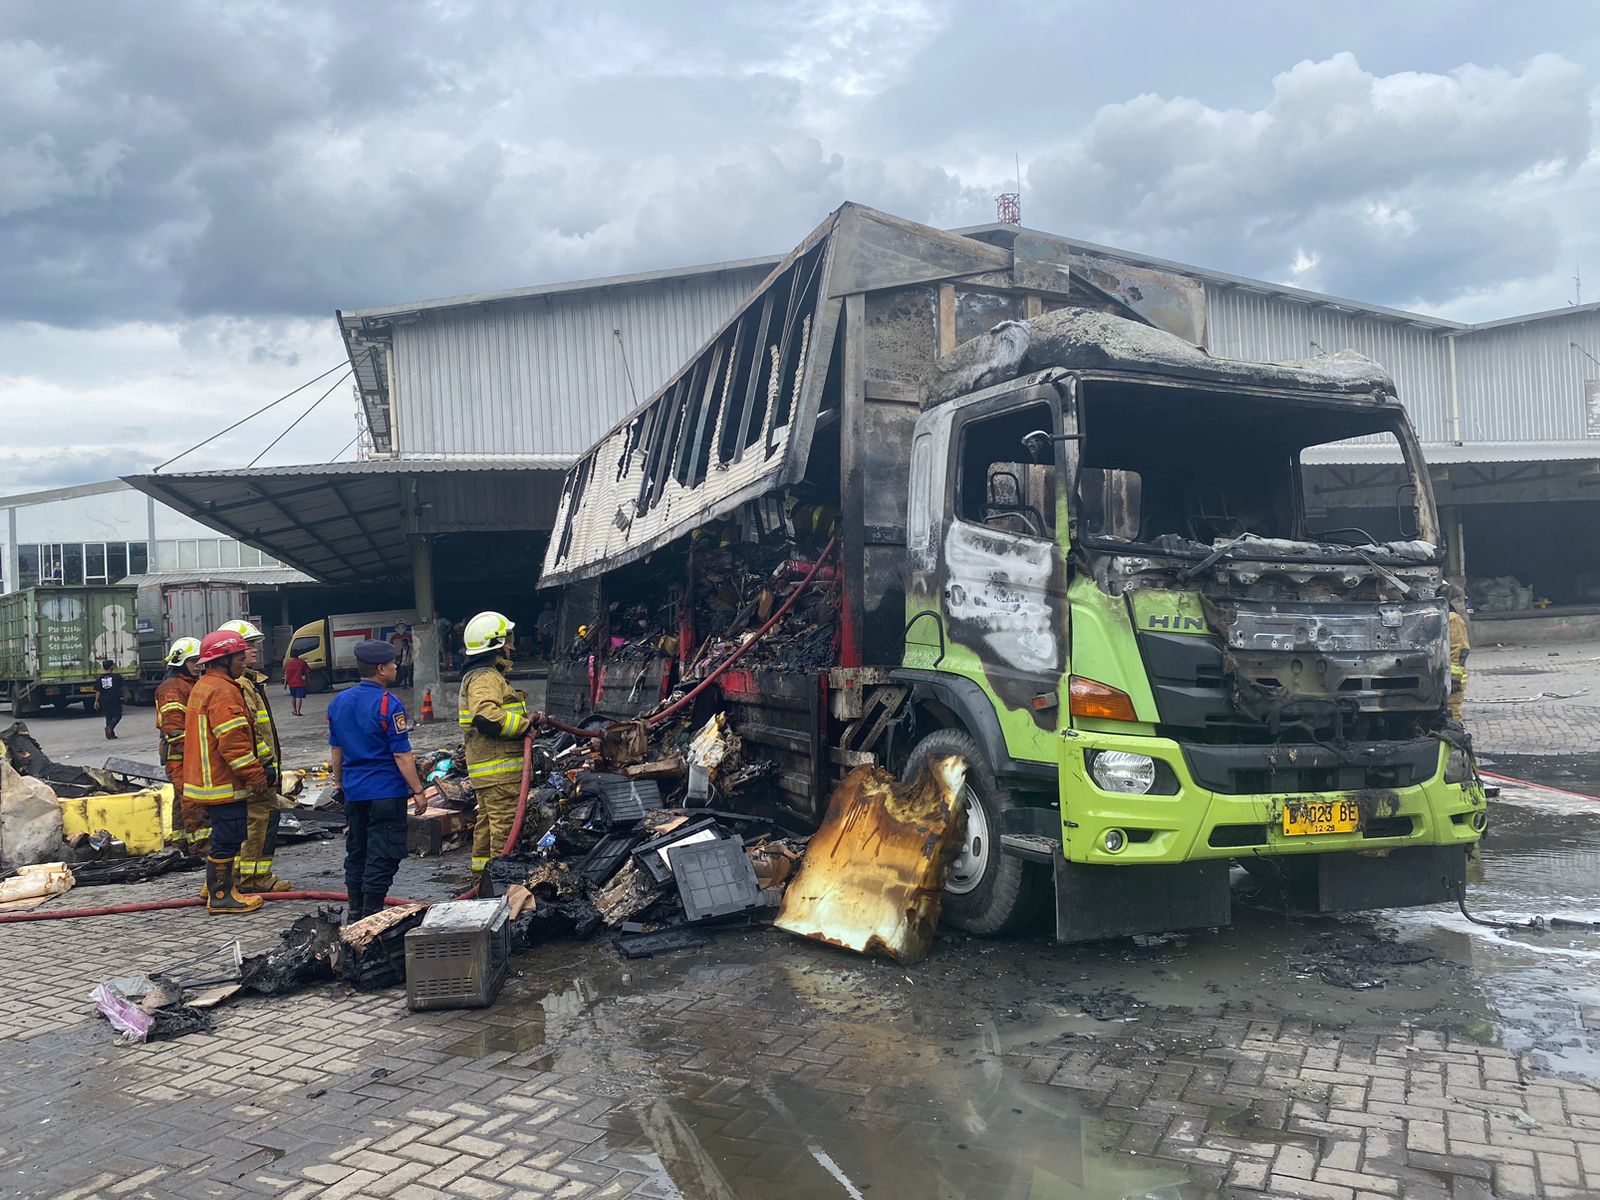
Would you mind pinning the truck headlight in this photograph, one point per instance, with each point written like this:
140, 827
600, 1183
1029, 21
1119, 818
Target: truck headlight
1120, 771
1458, 767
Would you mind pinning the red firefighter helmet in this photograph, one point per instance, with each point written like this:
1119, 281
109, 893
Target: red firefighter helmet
219, 645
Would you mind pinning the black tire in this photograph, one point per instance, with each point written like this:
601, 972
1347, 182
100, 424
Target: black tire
88, 705
318, 682
1008, 892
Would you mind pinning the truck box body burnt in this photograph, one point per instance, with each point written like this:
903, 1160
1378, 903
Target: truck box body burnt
1035, 517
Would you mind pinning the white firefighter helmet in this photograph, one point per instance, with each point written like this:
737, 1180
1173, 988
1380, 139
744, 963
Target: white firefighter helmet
243, 628
486, 631
183, 650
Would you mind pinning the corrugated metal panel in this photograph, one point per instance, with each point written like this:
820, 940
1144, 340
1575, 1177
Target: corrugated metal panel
1270, 328
546, 375
250, 577
1525, 382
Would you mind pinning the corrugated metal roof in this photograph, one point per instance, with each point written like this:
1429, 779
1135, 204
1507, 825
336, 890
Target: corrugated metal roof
349, 522
249, 576
1442, 453
533, 376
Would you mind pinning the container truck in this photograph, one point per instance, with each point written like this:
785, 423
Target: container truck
1069, 545
53, 640
166, 610
328, 644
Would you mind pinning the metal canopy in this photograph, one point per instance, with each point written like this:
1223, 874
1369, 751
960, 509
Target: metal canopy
350, 522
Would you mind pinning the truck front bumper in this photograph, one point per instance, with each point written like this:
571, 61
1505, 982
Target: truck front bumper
1193, 823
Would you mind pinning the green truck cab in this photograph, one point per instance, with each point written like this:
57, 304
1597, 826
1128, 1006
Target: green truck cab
1117, 564
1066, 543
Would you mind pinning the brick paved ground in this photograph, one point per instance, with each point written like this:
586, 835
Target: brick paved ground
1498, 674
764, 1067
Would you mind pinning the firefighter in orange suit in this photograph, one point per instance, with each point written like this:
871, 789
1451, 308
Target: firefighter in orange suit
172, 696
221, 770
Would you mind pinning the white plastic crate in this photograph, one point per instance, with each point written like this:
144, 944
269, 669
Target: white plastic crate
458, 956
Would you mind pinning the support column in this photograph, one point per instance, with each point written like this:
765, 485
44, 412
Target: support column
425, 645
1455, 557
852, 483
13, 571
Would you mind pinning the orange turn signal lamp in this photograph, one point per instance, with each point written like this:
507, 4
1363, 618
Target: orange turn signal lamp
1089, 698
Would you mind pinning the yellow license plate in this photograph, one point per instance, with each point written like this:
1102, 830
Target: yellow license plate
1320, 816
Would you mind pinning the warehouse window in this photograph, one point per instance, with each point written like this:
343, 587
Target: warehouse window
188, 554
116, 560
208, 553
229, 554
72, 563
27, 566
94, 562
138, 558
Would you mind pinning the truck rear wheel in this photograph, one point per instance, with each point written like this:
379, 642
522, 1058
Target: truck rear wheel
987, 892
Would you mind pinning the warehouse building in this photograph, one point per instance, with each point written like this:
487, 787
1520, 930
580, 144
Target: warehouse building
476, 405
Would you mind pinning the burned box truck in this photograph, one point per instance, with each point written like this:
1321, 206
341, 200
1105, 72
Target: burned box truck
988, 495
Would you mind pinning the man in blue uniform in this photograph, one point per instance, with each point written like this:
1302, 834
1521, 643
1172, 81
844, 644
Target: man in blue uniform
373, 766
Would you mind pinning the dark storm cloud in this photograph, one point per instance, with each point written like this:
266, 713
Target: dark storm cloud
184, 160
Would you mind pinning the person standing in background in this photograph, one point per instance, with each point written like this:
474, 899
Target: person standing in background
547, 631
441, 631
296, 674
108, 697
404, 646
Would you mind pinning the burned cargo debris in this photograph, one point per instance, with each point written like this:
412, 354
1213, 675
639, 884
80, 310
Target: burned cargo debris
873, 876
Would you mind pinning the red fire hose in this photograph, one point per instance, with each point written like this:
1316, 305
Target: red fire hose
111, 910
748, 643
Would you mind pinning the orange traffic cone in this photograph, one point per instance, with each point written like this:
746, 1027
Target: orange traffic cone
427, 706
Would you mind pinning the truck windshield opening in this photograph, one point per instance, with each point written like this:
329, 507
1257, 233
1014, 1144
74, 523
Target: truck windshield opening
1184, 469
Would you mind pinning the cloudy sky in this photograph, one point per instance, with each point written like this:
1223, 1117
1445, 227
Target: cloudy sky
189, 189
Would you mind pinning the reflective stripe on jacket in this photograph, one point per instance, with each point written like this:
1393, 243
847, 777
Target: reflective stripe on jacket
220, 764
172, 698
486, 693
254, 686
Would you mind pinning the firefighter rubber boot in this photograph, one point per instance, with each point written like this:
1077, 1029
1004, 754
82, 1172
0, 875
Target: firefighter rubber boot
267, 882
374, 904
354, 908
221, 895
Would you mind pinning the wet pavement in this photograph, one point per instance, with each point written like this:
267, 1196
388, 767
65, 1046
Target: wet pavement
1404, 1053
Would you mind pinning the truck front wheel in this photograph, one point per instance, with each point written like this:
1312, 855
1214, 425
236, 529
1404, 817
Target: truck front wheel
986, 892
318, 682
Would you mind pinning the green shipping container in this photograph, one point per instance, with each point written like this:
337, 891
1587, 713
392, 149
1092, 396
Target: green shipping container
61, 635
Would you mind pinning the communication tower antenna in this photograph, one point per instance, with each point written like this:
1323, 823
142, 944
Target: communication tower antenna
1008, 205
